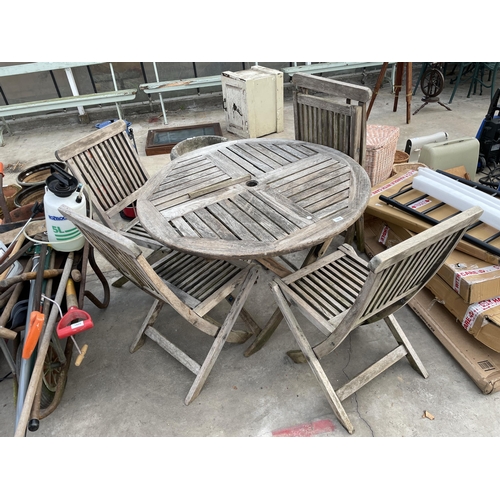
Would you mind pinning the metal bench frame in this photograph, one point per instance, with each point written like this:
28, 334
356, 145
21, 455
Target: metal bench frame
75, 101
160, 87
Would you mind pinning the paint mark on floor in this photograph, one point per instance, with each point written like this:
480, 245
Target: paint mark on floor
306, 430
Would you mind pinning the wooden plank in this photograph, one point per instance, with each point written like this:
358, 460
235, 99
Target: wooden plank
330, 175
229, 160
285, 208
333, 87
255, 227
262, 212
233, 225
183, 84
90, 140
370, 373
325, 104
256, 157
297, 170
215, 225
218, 185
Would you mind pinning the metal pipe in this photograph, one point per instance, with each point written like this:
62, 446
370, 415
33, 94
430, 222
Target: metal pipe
160, 96
92, 79
116, 88
4, 97
55, 83
42, 351
74, 88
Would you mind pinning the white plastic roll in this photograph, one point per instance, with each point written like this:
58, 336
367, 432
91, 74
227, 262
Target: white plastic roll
458, 200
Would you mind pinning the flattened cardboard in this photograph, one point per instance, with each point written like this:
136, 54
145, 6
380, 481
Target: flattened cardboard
480, 362
393, 215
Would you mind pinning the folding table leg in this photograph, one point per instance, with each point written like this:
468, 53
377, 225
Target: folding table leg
222, 335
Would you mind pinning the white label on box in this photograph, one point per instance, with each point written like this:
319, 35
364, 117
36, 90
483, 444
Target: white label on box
397, 180
471, 272
420, 203
383, 235
474, 310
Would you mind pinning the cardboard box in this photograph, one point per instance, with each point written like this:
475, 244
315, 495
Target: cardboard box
480, 362
481, 319
473, 279
380, 209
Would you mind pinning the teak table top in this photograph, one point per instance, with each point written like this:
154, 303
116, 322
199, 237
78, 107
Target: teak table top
253, 198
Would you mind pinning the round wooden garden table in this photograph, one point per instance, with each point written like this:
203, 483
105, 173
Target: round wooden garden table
254, 199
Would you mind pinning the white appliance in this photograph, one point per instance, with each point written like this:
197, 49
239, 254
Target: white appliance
449, 154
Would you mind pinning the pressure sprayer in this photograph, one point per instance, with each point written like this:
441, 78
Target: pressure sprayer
62, 188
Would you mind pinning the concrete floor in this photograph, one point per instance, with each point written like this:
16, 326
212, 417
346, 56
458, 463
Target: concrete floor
115, 393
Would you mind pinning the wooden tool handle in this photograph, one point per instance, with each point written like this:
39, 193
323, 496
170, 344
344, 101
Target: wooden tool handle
80, 357
71, 300
5, 333
48, 273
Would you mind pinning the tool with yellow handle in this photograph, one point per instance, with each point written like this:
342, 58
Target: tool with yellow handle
74, 321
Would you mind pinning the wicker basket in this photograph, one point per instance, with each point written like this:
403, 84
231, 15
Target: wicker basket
401, 157
381, 144
399, 168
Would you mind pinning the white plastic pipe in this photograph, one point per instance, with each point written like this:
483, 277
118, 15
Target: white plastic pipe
460, 189
456, 198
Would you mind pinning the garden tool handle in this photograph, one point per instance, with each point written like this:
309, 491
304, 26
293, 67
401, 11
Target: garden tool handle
31, 275
80, 357
71, 299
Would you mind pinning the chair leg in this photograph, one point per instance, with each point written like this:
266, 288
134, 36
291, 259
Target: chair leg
222, 335
401, 338
313, 361
148, 321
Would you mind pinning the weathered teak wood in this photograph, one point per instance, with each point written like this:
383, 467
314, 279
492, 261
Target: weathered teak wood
341, 291
299, 194
106, 163
191, 285
320, 118
280, 196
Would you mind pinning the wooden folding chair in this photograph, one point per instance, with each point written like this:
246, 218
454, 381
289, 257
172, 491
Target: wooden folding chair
191, 285
321, 119
341, 291
108, 166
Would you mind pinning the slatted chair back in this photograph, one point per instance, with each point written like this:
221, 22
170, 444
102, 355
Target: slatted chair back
400, 272
341, 291
107, 164
321, 119
191, 285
